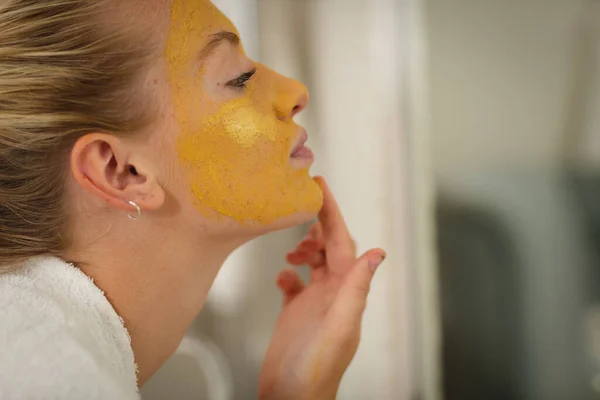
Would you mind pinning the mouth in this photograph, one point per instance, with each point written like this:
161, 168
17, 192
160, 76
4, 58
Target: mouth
302, 155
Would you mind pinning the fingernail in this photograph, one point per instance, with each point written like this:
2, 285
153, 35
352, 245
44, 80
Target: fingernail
375, 261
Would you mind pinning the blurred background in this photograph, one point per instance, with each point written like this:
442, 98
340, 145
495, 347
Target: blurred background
464, 137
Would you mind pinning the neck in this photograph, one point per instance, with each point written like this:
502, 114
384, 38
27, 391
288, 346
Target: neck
158, 290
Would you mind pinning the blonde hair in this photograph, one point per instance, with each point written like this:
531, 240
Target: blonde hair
64, 72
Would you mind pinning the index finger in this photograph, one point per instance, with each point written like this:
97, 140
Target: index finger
334, 227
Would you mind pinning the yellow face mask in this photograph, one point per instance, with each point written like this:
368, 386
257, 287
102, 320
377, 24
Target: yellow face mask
236, 135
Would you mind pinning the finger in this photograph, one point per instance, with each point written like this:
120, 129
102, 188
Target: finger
315, 259
296, 258
301, 252
314, 241
335, 232
290, 284
310, 245
318, 271
315, 232
353, 247
330, 217
351, 300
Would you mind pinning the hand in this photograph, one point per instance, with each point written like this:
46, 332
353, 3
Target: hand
318, 330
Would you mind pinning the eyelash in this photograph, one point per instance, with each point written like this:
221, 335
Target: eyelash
240, 81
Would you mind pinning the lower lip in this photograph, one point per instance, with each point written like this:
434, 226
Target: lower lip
303, 153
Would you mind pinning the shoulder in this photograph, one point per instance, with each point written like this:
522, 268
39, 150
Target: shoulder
43, 360
48, 351
57, 367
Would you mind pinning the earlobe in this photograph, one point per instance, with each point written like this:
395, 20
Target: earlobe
106, 167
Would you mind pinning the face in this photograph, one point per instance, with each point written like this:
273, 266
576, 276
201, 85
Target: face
242, 152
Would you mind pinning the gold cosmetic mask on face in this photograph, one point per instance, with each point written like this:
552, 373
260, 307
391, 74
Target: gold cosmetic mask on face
235, 142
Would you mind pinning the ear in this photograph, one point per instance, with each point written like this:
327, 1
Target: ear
111, 170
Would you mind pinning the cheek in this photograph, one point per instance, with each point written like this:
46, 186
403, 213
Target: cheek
235, 141
246, 127
240, 167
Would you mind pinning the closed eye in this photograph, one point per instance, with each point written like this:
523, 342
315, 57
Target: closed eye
240, 81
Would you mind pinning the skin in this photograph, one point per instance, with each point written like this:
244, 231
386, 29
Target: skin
238, 150
196, 169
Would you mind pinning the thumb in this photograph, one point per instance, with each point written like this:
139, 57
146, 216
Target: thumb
352, 297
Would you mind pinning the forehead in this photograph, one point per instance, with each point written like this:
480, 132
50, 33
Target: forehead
198, 19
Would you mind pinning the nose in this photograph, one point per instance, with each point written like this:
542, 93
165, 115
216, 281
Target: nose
292, 98
301, 103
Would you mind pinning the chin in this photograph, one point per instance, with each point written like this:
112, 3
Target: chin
301, 203
284, 222
290, 221
296, 208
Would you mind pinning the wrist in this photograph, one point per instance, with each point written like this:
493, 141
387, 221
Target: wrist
323, 394
297, 397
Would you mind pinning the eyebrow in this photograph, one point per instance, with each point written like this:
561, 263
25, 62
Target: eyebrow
216, 40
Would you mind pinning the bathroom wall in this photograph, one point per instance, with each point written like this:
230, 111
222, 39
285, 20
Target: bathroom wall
505, 80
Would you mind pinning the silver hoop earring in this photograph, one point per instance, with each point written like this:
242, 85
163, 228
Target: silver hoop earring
137, 209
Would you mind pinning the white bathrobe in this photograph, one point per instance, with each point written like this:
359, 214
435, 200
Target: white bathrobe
60, 338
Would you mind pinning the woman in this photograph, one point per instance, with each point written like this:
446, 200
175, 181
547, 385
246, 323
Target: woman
139, 146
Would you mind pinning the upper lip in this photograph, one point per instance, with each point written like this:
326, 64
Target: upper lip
300, 141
